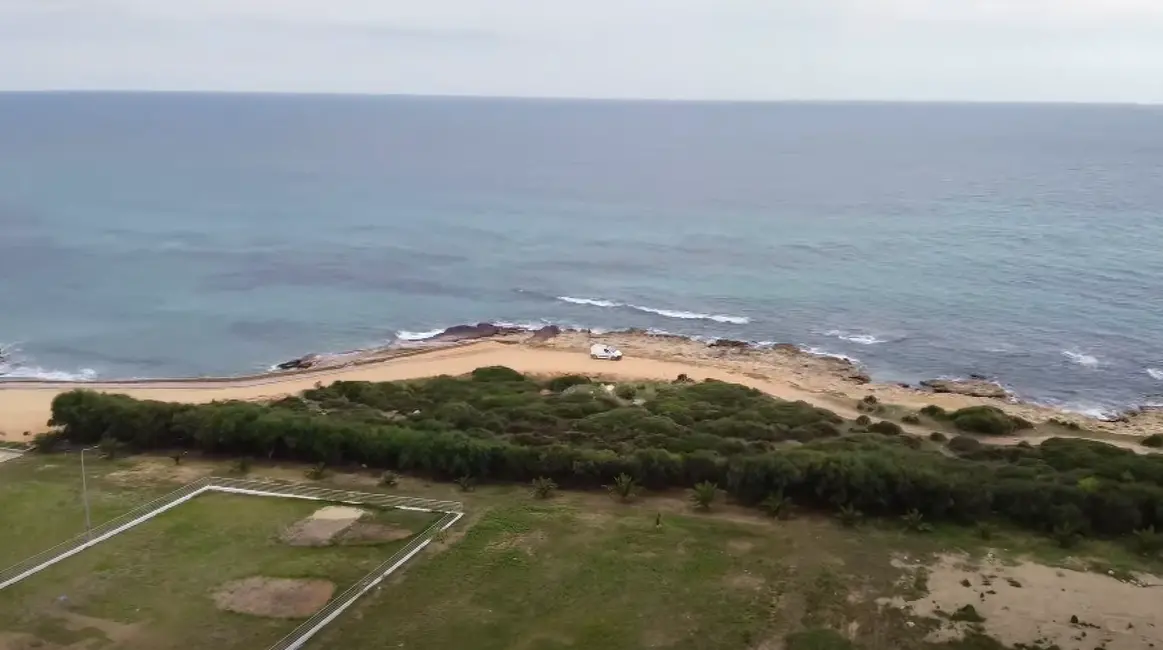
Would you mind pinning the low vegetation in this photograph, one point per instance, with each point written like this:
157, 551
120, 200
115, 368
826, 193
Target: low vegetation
498, 425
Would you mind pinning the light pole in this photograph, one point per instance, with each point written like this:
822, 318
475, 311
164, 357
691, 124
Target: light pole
85, 491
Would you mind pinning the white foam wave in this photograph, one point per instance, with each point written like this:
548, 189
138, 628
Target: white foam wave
1080, 358
862, 339
820, 352
36, 372
668, 313
14, 365
1155, 373
405, 335
590, 301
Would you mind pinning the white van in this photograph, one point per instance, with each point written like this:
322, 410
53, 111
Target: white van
606, 352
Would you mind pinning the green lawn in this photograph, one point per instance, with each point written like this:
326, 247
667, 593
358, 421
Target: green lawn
151, 586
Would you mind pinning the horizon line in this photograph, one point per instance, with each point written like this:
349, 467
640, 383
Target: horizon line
574, 99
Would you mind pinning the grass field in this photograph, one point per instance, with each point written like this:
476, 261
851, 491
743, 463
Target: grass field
152, 586
579, 570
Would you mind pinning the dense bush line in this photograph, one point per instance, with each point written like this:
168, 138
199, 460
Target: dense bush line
500, 425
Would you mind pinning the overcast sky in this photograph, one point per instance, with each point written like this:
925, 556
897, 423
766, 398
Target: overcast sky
1008, 50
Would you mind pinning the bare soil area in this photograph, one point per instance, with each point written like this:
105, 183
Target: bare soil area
274, 597
1036, 604
323, 527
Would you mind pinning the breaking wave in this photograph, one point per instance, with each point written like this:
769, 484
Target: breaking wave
668, 313
1155, 373
855, 337
14, 366
1080, 358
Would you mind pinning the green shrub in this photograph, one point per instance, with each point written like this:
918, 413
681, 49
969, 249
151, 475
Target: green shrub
849, 516
776, 505
1154, 440
560, 383
964, 444
626, 391
497, 374
915, 522
863, 420
988, 420
937, 436
887, 428
935, 412
1148, 542
704, 494
543, 487
911, 418
497, 427
624, 488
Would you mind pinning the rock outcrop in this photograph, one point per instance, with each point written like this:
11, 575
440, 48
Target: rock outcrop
729, 343
971, 387
458, 333
545, 333
302, 363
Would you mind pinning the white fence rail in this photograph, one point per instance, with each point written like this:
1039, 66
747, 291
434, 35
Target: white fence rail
450, 511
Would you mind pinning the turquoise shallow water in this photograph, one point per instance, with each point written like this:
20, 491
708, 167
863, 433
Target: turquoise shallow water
163, 235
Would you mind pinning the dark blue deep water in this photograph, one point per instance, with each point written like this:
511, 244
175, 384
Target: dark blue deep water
163, 235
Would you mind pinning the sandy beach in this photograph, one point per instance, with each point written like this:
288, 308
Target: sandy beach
781, 372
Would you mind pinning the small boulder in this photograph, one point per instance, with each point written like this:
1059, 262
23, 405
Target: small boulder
971, 387
729, 343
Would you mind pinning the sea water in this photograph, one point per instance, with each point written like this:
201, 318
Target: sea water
185, 234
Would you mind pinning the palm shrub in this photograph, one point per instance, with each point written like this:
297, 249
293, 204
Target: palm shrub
1066, 535
46, 443
317, 471
466, 483
915, 522
543, 487
1148, 542
389, 479
703, 495
624, 488
242, 466
849, 516
110, 448
777, 506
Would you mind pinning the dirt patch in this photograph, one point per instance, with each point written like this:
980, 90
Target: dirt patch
740, 546
274, 597
159, 471
119, 634
323, 527
21, 641
527, 542
1031, 603
745, 582
363, 533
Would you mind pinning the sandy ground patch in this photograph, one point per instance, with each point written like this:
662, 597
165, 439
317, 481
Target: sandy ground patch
274, 597
1032, 603
745, 581
740, 545
367, 533
154, 471
8, 455
322, 527
117, 633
